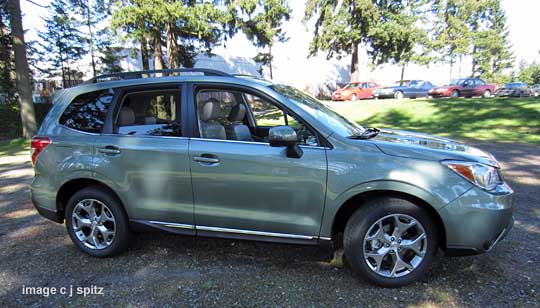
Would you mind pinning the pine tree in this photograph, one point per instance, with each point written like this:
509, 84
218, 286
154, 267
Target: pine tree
491, 46
263, 26
7, 83
386, 28
90, 14
62, 43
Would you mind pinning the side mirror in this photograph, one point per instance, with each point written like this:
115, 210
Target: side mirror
285, 136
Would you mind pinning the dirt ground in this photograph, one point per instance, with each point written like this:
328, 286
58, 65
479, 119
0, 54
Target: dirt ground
169, 270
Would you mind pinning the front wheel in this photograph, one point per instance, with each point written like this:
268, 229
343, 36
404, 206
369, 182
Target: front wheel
97, 223
354, 97
486, 94
455, 94
390, 241
399, 95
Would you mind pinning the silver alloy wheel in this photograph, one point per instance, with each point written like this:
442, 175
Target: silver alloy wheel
395, 245
354, 97
93, 223
399, 95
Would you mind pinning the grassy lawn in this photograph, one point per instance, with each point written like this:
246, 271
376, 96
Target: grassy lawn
10, 147
507, 120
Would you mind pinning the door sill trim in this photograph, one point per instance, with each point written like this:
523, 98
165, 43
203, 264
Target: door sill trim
232, 232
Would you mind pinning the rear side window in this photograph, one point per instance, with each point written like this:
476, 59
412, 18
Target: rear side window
87, 111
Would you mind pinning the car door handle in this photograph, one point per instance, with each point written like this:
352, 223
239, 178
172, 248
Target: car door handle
111, 150
206, 159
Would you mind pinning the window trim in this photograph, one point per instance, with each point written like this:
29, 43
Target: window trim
121, 92
193, 88
85, 93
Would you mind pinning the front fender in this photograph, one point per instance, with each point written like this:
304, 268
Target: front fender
333, 205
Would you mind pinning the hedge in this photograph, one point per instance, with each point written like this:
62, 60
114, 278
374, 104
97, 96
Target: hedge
10, 119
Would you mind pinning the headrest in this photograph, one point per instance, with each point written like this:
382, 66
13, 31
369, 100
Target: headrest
126, 117
211, 110
237, 113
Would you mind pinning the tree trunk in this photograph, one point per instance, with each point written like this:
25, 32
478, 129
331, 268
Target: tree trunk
355, 65
90, 39
158, 56
24, 87
144, 53
473, 61
270, 62
172, 48
402, 73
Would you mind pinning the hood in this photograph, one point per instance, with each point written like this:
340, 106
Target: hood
429, 147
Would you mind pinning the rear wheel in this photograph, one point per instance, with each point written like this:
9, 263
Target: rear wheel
390, 241
97, 223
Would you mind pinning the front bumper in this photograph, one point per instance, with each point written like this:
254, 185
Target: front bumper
384, 95
439, 94
478, 220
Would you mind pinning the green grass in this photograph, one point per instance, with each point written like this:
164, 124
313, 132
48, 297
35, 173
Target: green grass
10, 147
506, 120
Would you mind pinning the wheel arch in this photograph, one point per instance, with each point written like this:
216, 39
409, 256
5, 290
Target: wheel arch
354, 203
68, 189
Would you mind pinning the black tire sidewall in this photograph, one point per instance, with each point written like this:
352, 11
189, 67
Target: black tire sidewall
122, 234
364, 218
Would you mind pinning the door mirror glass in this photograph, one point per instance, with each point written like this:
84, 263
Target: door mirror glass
285, 136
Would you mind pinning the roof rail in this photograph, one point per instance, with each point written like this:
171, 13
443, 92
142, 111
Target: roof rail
147, 73
249, 76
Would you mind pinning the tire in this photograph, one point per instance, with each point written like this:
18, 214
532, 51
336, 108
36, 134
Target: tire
486, 94
99, 223
454, 94
381, 209
399, 95
354, 97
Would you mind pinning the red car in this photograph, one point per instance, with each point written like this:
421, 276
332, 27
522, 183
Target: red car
355, 90
464, 87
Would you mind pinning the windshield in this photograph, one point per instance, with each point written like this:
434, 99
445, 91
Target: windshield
351, 85
398, 83
458, 82
513, 85
327, 116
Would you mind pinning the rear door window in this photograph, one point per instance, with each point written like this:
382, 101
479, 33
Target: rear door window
87, 111
150, 112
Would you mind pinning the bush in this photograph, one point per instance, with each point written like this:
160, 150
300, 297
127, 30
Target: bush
10, 119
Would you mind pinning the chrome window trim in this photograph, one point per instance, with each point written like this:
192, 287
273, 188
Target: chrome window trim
146, 136
254, 142
78, 131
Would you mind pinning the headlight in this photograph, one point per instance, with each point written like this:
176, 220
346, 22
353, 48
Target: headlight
484, 176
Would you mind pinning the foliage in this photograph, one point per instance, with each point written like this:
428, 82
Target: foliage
62, 42
529, 73
263, 25
390, 30
7, 82
10, 118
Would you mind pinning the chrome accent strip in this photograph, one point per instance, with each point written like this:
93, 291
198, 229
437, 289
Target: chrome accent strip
172, 225
253, 142
249, 232
325, 238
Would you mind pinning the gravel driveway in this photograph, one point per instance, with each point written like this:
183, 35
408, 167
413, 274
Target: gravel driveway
169, 270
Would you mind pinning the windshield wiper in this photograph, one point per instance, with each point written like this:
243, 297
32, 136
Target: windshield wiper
368, 133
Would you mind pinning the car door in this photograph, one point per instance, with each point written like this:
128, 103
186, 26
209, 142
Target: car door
248, 188
144, 152
468, 88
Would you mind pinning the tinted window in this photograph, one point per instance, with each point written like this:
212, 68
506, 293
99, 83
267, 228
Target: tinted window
152, 112
87, 111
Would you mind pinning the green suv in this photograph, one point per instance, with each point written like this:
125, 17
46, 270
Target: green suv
200, 152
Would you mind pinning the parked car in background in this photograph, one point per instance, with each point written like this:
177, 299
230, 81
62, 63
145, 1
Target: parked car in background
464, 87
355, 90
535, 90
405, 89
514, 89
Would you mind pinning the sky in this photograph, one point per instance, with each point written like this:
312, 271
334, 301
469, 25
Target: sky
292, 61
